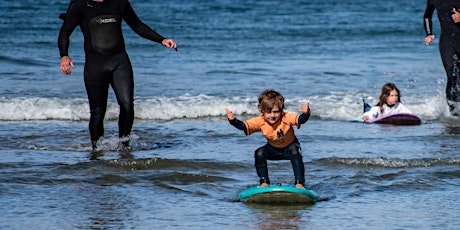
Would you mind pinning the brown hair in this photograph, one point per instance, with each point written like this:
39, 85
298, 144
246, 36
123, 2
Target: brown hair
270, 98
386, 90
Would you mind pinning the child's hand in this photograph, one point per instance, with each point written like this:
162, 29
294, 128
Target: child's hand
229, 114
365, 118
305, 107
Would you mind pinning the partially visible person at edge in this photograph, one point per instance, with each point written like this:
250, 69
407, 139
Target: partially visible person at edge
449, 45
276, 126
106, 61
389, 103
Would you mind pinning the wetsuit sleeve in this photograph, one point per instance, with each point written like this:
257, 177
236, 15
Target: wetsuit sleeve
138, 26
427, 22
62, 16
373, 113
238, 124
303, 118
71, 19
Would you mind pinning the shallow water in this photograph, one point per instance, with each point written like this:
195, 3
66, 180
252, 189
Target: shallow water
188, 164
172, 180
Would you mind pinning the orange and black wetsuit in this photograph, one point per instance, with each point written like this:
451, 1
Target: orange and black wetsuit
282, 144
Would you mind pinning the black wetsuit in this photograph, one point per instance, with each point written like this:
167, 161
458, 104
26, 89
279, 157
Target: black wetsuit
267, 152
107, 62
449, 46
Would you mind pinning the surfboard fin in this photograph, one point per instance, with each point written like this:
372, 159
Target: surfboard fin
366, 107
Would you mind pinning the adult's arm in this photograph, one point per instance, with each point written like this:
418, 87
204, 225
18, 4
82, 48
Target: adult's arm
71, 21
427, 22
139, 27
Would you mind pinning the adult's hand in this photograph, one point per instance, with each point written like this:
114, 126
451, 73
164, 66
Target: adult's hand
456, 15
169, 43
429, 39
66, 63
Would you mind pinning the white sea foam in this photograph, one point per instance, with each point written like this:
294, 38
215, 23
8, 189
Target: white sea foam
334, 106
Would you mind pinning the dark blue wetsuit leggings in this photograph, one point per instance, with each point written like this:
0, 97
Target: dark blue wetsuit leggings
449, 48
102, 71
292, 153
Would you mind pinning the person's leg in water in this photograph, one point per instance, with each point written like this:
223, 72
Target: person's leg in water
453, 88
123, 85
292, 153
450, 59
97, 90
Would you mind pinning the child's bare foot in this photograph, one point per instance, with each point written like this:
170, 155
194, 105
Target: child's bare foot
263, 185
299, 186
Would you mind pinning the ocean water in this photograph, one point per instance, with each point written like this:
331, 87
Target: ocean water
188, 164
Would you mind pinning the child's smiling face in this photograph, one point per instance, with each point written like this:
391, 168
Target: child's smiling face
272, 116
393, 97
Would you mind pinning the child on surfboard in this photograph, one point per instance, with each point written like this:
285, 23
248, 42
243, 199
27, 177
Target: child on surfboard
389, 103
277, 127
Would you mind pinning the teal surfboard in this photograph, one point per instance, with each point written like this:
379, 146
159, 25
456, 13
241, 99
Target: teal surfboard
278, 194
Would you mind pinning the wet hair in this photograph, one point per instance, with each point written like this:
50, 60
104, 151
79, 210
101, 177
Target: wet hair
270, 98
386, 90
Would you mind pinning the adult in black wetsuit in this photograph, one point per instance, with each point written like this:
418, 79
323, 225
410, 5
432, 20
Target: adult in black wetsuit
449, 45
107, 63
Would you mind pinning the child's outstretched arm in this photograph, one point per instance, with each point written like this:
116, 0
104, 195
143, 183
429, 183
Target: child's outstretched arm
305, 113
235, 122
